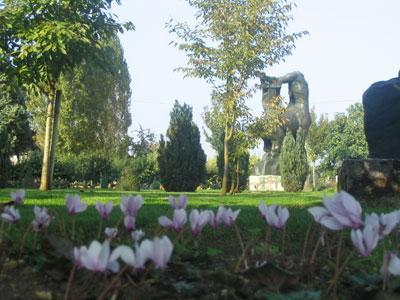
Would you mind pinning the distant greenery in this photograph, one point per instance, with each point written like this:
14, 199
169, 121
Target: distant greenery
330, 142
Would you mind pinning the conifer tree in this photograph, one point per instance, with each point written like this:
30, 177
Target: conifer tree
293, 162
181, 159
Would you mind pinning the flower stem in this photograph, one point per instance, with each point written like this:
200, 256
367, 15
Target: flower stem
385, 267
34, 240
314, 253
100, 227
337, 275
73, 229
241, 243
21, 246
1, 231
71, 276
283, 241
305, 244
337, 266
266, 241
112, 283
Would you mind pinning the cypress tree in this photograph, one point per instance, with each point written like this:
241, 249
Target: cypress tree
293, 162
181, 159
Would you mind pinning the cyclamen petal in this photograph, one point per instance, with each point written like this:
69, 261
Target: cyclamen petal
18, 196
262, 207
366, 240
318, 212
11, 215
130, 205
178, 203
74, 204
129, 222
331, 223
164, 221
104, 209
394, 265
161, 252
110, 233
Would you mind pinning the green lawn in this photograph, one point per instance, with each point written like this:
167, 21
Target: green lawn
224, 241
249, 220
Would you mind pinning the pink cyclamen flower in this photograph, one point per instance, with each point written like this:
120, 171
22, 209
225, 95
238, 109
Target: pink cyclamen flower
97, 258
321, 215
178, 222
228, 216
345, 209
262, 207
198, 221
178, 203
130, 205
11, 215
78, 253
212, 220
341, 211
104, 209
366, 240
161, 252
138, 258
18, 196
137, 235
130, 222
277, 216
74, 204
111, 233
394, 264
42, 218
384, 223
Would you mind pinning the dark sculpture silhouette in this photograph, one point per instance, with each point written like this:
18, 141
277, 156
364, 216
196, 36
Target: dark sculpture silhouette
297, 116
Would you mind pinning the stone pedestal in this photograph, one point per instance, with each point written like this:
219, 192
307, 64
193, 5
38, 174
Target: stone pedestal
265, 183
374, 181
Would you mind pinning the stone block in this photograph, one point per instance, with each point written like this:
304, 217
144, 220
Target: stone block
265, 183
373, 181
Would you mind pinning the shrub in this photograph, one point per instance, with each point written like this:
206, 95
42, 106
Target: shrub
293, 162
181, 159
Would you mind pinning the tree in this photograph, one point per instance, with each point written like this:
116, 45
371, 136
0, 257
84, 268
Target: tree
293, 162
44, 38
316, 139
94, 113
181, 159
345, 140
15, 132
233, 41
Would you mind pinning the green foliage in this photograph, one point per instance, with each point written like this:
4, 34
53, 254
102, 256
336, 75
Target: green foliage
140, 170
43, 38
181, 159
95, 106
330, 142
15, 132
293, 162
232, 42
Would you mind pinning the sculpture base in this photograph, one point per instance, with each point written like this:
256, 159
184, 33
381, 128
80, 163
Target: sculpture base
265, 183
373, 181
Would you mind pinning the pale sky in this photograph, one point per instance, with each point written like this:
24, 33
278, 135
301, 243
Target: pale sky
351, 44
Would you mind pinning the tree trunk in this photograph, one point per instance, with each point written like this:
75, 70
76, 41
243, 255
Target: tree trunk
313, 175
44, 180
54, 136
233, 181
224, 188
237, 177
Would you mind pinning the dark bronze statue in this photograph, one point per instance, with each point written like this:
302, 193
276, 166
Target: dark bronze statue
297, 116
